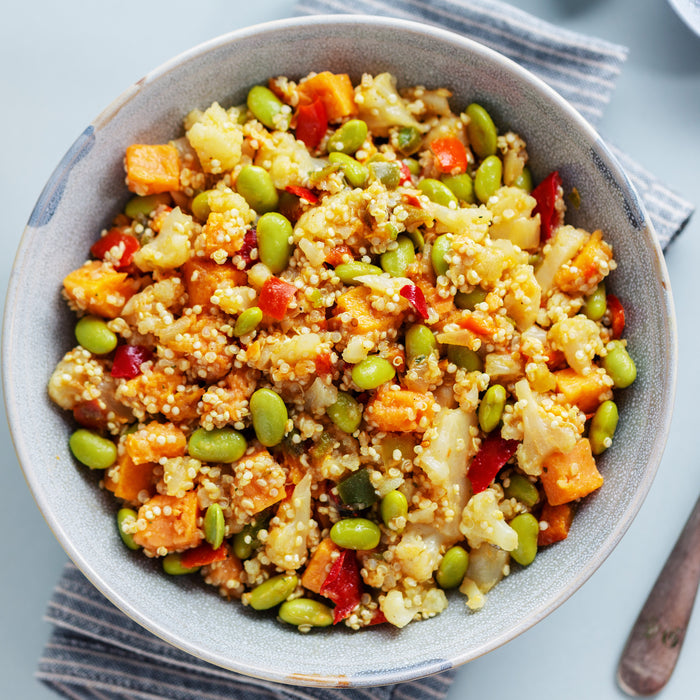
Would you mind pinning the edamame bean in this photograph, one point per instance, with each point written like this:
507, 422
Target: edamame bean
488, 178
465, 358
346, 412
413, 166
393, 507
214, 525
419, 342
172, 565
388, 173
524, 180
223, 445
372, 372
248, 321
469, 300
356, 533
452, 567
255, 185
491, 407
408, 140
595, 305
349, 137
92, 449
396, 261
125, 515
200, 205
355, 172
416, 238
142, 207
305, 612
272, 592
528, 528
603, 426
462, 186
438, 192
619, 365
522, 489
267, 108
482, 133
274, 248
441, 246
347, 272
94, 335
245, 542
269, 416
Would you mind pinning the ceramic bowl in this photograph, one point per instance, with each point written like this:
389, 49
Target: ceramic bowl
87, 190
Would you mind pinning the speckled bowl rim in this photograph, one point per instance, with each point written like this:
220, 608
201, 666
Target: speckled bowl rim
21, 436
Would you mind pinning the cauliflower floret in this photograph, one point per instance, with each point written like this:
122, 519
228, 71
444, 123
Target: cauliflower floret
287, 160
522, 300
380, 104
579, 339
470, 221
512, 217
171, 247
179, 474
216, 136
483, 263
566, 243
483, 521
418, 552
400, 608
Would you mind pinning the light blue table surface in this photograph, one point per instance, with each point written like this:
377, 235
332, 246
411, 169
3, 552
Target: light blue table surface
63, 62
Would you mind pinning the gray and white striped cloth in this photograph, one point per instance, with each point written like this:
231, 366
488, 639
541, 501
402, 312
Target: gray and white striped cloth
95, 652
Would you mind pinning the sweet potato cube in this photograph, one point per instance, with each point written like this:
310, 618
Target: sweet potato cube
130, 479
96, 287
567, 477
203, 277
151, 169
319, 565
399, 411
587, 268
586, 392
558, 519
259, 482
171, 523
364, 318
154, 441
334, 90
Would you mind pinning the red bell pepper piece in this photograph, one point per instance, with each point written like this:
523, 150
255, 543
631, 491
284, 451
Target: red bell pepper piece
406, 178
275, 296
549, 195
617, 315
378, 618
312, 123
128, 360
487, 462
343, 585
416, 299
250, 243
450, 155
116, 238
202, 555
303, 193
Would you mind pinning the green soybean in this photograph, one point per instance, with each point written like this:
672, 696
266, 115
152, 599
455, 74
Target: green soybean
469, 300
355, 172
200, 205
419, 342
595, 305
603, 426
372, 372
461, 186
272, 592
416, 238
255, 185
94, 335
248, 321
142, 207
274, 231
394, 506
124, 515
269, 415
347, 272
452, 567
522, 489
349, 137
528, 528
438, 192
267, 108
524, 180
223, 445
491, 407
172, 565
214, 525
619, 365
441, 246
464, 357
346, 412
93, 450
408, 140
245, 542
413, 166
305, 612
397, 260
488, 178
356, 533
482, 133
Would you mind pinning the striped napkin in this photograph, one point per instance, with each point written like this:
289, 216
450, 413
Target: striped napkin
95, 652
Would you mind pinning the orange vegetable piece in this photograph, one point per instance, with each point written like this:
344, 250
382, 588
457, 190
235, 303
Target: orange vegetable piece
202, 555
558, 519
173, 524
334, 90
337, 254
399, 411
567, 477
151, 169
450, 155
364, 318
585, 271
585, 392
258, 482
477, 322
98, 288
131, 479
617, 315
226, 574
154, 441
203, 277
319, 565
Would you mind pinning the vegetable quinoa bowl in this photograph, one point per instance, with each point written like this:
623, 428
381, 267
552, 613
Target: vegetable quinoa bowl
343, 360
